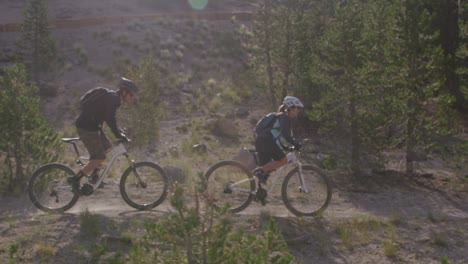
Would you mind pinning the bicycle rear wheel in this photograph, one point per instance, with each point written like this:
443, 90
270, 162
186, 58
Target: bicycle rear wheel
146, 191
229, 183
49, 190
312, 201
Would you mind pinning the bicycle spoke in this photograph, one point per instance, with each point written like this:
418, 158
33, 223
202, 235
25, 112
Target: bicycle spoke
144, 186
228, 184
308, 199
49, 190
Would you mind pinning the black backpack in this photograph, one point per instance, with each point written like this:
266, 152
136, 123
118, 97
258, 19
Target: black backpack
92, 96
265, 123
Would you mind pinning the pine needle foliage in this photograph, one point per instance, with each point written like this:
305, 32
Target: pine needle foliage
27, 141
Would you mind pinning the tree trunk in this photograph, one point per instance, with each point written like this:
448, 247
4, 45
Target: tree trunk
410, 136
449, 34
266, 43
287, 55
355, 140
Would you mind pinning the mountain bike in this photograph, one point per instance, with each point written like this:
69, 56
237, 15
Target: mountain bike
305, 190
143, 185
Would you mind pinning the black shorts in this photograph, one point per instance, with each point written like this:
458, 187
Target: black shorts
268, 150
95, 142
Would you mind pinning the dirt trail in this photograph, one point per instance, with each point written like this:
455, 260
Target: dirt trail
409, 203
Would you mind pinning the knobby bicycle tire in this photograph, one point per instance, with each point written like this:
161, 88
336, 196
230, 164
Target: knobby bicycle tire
306, 204
153, 191
49, 190
219, 178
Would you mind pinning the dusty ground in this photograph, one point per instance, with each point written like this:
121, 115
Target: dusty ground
424, 217
422, 221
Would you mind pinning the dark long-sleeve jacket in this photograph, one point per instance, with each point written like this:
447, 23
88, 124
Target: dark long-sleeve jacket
280, 129
103, 110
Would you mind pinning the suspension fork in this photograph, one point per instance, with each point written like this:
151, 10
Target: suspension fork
301, 178
132, 165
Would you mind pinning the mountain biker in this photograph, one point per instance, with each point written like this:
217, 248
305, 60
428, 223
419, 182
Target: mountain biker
268, 141
89, 125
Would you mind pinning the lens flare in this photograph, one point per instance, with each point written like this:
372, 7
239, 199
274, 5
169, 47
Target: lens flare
198, 4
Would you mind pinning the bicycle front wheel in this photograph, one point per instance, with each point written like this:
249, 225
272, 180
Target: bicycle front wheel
229, 183
49, 190
310, 198
144, 185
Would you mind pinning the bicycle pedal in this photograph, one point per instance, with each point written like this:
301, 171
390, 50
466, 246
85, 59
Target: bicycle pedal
261, 196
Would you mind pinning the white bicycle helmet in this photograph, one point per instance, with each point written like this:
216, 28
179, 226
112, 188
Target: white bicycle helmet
290, 101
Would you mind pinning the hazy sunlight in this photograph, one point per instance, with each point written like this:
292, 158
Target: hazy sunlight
198, 4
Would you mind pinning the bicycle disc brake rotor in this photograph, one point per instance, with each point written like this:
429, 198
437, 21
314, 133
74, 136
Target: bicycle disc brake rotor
227, 187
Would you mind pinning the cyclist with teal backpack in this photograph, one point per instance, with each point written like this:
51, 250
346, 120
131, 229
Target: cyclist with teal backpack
269, 133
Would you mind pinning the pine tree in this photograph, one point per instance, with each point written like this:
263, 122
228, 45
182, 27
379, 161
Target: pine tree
384, 97
38, 48
448, 20
142, 119
26, 139
264, 48
340, 68
284, 36
419, 59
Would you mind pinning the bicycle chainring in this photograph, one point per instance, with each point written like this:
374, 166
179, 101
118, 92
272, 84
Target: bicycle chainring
261, 195
86, 189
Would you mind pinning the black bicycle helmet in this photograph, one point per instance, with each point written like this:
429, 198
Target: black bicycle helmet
128, 85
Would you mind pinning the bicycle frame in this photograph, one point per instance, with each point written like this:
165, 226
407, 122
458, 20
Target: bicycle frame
293, 162
117, 151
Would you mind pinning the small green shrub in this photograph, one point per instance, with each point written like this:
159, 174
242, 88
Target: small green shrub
196, 233
389, 248
89, 224
12, 250
445, 260
358, 230
390, 244
44, 251
330, 162
116, 259
215, 104
439, 239
345, 233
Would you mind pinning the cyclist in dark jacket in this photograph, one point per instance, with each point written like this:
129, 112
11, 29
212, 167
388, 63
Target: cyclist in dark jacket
268, 142
89, 125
